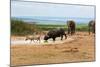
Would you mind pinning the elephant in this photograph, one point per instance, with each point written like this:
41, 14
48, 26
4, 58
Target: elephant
71, 27
91, 26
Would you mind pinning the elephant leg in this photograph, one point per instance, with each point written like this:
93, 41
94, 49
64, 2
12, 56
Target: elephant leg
71, 31
74, 31
93, 30
89, 30
65, 36
68, 30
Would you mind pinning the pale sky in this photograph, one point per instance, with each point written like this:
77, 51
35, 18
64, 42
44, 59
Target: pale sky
19, 8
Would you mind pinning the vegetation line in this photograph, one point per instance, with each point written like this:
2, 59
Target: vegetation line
19, 27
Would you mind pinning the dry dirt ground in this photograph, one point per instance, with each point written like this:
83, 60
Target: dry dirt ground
82, 48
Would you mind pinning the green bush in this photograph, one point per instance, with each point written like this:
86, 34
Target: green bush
19, 27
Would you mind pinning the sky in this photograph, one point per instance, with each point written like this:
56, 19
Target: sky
26, 9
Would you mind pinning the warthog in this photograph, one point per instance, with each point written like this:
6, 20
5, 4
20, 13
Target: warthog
37, 37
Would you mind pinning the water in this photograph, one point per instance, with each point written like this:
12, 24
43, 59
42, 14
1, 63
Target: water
53, 20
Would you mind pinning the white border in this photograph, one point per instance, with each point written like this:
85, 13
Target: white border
5, 33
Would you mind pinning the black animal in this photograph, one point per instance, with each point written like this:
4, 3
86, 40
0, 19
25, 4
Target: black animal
55, 33
91, 26
71, 27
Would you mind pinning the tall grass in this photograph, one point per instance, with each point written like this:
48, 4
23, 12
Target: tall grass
19, 27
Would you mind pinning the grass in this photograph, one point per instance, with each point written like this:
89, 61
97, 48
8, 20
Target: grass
50, 27
19, 27
79, 27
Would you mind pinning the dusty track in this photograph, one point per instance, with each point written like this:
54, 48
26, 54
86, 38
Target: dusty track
21, 41
79, 49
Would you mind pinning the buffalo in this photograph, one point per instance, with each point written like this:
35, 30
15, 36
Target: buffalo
71, 27
91, 26
55, 33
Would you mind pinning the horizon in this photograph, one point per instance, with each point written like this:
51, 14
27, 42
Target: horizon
52, 21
